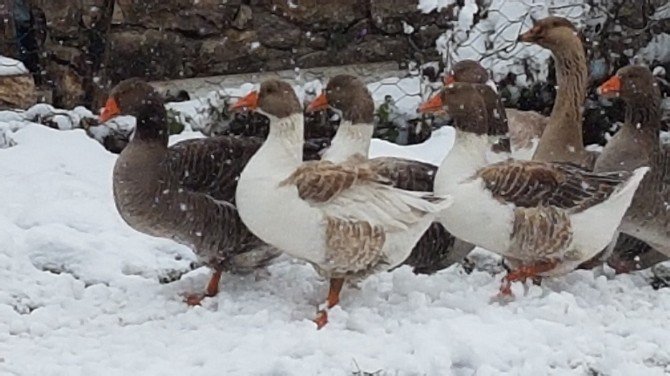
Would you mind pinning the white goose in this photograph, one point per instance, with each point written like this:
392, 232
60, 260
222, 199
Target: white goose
345, 219
545, 218
351, 99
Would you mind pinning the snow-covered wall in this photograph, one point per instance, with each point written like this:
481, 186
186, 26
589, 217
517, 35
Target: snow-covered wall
487, 31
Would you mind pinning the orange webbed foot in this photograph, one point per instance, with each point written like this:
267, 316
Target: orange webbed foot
321, 319
333, 298
194, 299
522, 274
212, 290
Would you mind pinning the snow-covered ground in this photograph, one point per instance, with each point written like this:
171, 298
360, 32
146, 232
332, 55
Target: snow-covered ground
81, 294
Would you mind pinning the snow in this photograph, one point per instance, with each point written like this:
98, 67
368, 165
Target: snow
428, 6
432, 151
82, 294
11, 67
657, 49
407, 28
493, 39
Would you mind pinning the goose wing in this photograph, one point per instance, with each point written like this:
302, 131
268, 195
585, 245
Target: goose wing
562, 185
354, 190
210, 166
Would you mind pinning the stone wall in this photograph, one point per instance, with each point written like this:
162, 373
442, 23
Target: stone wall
185, 38
87, 45
92, 43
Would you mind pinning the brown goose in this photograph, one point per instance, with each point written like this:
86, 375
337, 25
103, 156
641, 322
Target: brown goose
637, 144
525, 127
184, 192
350, 98
544, 218
344, 218
630, 254
562, 139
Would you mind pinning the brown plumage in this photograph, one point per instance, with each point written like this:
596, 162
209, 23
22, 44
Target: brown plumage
211, 166
437, 248
537, 209
637, 144
405, 174
562, 140
350, 221
184, 192
354, 247
320, 181
350, 97
631, 254
541, 233
522, 127
562, 185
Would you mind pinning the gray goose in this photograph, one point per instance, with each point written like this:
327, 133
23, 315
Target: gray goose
349, 97
184, 192
545, 218
525, 127
345, 219
637, 144
562, 139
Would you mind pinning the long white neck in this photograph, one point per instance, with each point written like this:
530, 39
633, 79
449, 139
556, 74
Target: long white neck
288, 134
350, 139
281, 153
468, 154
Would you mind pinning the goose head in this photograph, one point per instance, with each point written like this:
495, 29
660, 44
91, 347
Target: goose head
468, 71
137, 98
275, 99
348, 97
551, 32
633, 84
464, 103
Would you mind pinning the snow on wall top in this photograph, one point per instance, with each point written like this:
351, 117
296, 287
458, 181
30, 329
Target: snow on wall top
427, 6
11, 67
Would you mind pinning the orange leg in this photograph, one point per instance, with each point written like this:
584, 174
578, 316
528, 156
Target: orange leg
212, 290
333, 298
523, 273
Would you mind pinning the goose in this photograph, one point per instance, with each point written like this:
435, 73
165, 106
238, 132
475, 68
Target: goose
349, 97
637, 144
631, 254
562, 139
345, 219
545, 218
184, 192
525, 127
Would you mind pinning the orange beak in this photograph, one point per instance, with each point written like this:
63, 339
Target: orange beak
433, 105
449, 80
319, 103
110, 110
249, 101
611, 87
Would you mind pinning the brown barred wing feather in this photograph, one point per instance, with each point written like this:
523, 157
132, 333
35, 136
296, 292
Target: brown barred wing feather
405, 174
562, 185
321, 181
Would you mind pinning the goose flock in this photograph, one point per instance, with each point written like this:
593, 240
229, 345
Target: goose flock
515, 183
